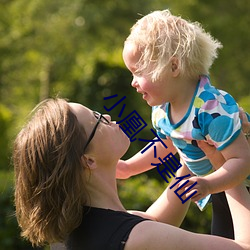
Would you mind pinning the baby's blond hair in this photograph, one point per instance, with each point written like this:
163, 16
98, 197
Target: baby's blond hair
160, 36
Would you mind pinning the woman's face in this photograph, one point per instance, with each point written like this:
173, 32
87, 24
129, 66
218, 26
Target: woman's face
108, 141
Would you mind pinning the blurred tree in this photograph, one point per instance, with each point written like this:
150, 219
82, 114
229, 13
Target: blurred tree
244, 102
51, 47
10, 238
228, 22
5, 123
72, 48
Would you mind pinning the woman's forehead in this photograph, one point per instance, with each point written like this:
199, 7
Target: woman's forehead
82, 113
78, 108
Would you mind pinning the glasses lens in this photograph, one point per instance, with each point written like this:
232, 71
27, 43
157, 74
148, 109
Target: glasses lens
99, 116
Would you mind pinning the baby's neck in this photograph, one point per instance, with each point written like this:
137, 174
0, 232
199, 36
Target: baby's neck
181, 103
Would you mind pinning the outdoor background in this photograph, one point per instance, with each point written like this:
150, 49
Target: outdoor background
72, 48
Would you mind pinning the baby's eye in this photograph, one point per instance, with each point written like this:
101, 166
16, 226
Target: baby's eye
137, 74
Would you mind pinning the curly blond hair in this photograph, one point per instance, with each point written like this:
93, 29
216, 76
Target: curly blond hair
160, 36
49, 181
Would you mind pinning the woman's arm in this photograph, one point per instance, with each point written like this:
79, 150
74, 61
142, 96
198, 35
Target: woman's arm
159, 236
245, 123
239, 203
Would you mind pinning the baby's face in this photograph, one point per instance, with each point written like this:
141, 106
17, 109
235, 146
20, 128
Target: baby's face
153, 92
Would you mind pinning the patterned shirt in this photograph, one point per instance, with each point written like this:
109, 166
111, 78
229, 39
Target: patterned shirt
213, 115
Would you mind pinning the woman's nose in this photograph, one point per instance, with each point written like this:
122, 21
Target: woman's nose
108, 117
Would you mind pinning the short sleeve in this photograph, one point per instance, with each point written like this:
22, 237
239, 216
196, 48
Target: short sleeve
218, 118
159, 121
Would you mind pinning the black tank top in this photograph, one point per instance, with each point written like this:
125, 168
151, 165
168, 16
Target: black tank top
102, 229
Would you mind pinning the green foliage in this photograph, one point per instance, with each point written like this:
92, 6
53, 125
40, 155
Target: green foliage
5, 124
197, 221
73, 48
139, 192
230, 71
244, 102
6, 182
9, 231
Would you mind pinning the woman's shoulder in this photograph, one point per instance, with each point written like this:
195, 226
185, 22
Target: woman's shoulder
102, 229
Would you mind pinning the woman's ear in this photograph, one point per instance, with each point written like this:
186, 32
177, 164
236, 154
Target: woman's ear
175, 66
90, 161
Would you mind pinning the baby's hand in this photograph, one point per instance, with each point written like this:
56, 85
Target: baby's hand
202, 188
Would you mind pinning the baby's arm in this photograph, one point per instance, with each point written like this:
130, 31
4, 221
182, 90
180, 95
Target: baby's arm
233, 172
236, 168
140, 163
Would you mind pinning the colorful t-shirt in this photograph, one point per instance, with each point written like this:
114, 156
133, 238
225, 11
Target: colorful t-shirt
213, 115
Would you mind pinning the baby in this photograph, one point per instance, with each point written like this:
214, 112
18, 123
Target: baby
170, 59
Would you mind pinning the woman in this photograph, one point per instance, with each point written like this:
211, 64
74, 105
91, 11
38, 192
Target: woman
65, 189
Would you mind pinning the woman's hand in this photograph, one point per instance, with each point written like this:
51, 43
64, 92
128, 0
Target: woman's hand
245, 124
214, 156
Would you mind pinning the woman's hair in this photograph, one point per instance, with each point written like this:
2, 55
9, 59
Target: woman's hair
49, 180
160, 36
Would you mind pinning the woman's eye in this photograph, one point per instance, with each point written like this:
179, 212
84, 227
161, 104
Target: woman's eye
106, 122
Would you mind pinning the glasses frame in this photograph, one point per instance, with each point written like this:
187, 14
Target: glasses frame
100, 118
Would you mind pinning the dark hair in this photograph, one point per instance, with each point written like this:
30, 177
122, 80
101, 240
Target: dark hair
49, 180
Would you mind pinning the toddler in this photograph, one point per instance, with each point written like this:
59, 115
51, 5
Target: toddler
170, 59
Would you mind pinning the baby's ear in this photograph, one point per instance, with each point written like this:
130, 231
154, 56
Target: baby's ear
89, 161
175, 66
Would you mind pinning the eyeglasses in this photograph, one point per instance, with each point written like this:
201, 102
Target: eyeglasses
100, 118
